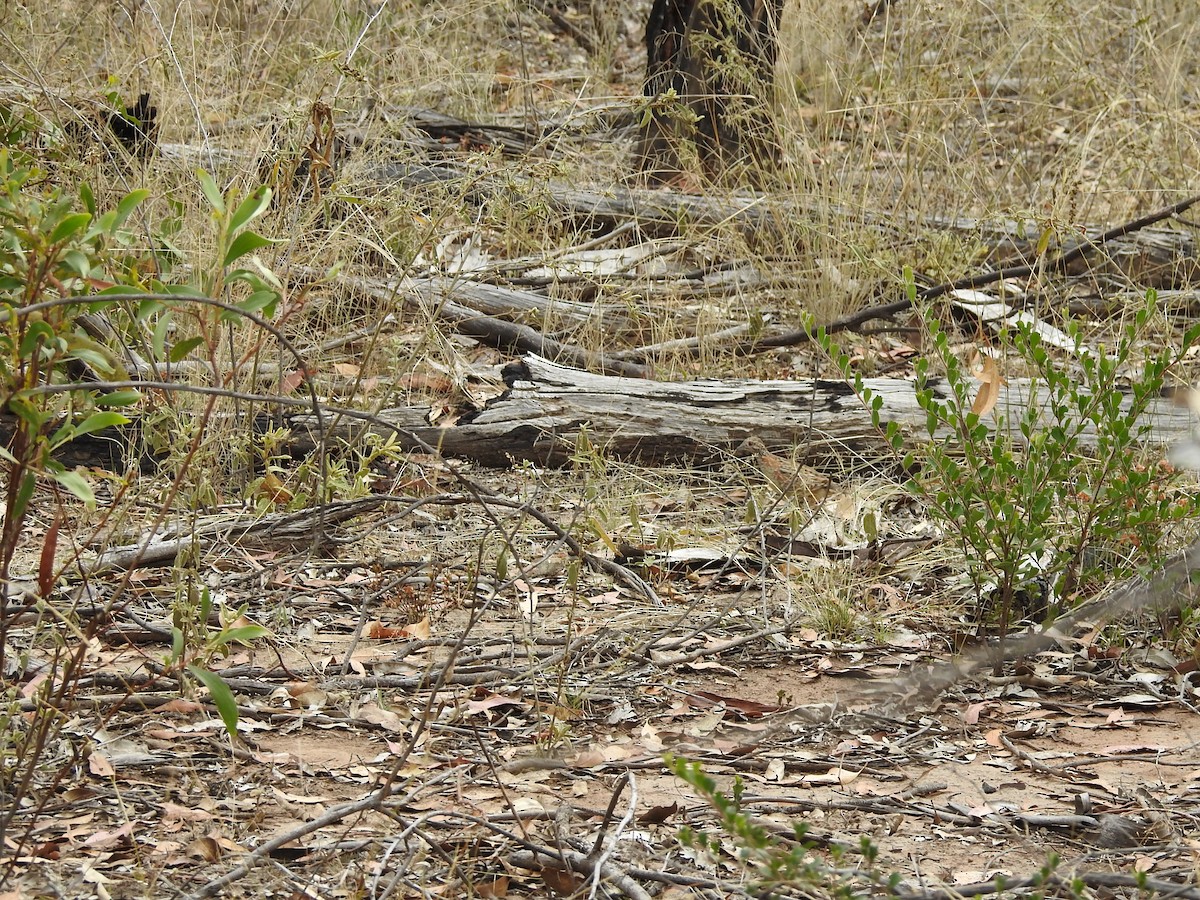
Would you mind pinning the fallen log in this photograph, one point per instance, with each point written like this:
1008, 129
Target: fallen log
549, 411
1150, 257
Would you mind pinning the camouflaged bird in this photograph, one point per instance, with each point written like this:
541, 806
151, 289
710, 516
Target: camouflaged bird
800, 483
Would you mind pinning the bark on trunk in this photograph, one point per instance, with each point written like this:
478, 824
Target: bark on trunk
718, 56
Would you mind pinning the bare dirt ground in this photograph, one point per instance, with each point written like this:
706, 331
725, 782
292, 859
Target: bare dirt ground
538, 722
451, 702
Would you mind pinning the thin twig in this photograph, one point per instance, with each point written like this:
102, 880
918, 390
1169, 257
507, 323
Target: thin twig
337, 814
575, 861
1056, 263
602, 856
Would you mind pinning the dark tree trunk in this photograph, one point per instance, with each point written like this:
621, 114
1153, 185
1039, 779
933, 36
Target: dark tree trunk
718, 56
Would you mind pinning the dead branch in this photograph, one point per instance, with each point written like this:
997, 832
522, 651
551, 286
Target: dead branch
496, 332
1058, 263
373, 800
574, 861
1157, 258
164, 548
1170, 585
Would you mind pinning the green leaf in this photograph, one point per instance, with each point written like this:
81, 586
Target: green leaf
182, 290
24, 495
870, 526
243, 634
251, 208
77, 263
222, 696
31, 415
253, 280
246, 242
69, 226
118, 398
177, 644
183, 348
106, 224
211, 192
99, 421
147, 308
255, 303
88, 198
93, 354
37, 334
62, 435
158, 340
128, 204
98, 300
75, 483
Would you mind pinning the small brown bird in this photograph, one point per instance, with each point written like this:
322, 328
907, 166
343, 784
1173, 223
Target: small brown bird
803, 484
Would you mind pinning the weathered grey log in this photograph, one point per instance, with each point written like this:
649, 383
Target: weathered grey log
435, 295
549, 408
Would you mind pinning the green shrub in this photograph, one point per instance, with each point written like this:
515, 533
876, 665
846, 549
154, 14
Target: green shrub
62, 259
1056, 490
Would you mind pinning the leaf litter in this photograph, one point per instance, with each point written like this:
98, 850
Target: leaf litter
501, 724
419, 724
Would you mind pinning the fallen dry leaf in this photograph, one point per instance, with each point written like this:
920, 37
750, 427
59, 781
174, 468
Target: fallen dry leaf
293, 380
205, 848
491, 701
657, 815
272, 489
377, 631
988, 374
492, 890
561, 882
174, 812
100, 765
385, 718
104, 840
307, 695
971, 714
838, 776
749, 708
420, 630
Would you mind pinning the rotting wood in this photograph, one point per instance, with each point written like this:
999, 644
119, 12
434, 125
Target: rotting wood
434, 295
1152, 257
548, 408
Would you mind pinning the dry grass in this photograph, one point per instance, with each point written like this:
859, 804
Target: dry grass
1059, 113
1064, 114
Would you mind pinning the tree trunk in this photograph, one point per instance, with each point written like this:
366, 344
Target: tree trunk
718, 57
